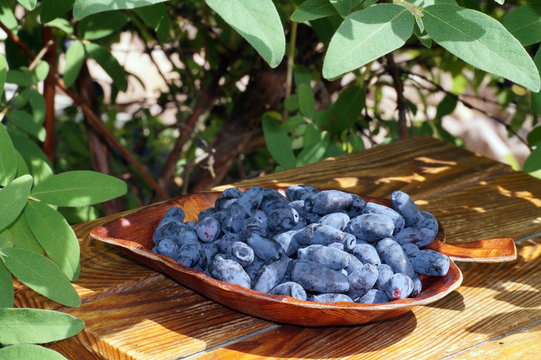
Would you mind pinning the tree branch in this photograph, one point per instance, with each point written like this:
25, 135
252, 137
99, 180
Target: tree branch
401, 103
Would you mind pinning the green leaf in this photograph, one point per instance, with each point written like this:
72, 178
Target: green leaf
8, 160
55, 236
35, 159
156, 17
41, 70
108, 62
75, 57
79, 188
292, 103
3, 72
37, 101
13, 198
19, 234
21, 78
315, 146
446, 106
36, 326
524, 23
52, 9
29, 352
307, 103
42, 275
481, 41
533, 161
365, 35
312, 10
345, 111
301, 75
256, 21
26, 122
278, 142
6, 286
534, 136
84, 8
101, 25
61, 24
28, 4
344, 6
7, 17
22, 168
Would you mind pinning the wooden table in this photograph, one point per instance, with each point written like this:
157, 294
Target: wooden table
132, 312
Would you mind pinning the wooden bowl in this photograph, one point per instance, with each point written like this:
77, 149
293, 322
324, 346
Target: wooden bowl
133, 235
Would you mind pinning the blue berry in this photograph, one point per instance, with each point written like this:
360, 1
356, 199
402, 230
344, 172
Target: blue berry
270, 275
188, 254
337, 220
392, 254
290, 288
409, 248
384, 274
371, 227
208, 229
399, 286
405, 206
366, 253
300, 192
232, 193
362, 280
328, 201
285, 240
325, 255
241, 253
228, 271
330, 298
265, 248
373, 296
430, 262
315, 277
281, 220
167, 247
374, 208
419, 236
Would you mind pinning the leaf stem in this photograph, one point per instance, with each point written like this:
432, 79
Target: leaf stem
290, 63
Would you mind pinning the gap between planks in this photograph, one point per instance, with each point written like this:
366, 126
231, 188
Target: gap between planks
233, 341
496, 338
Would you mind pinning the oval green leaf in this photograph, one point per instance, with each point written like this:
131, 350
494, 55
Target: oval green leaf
481, 41
20, 235
36, 326
278, 142
7, 17
62, 25
52, 9
345, 111
101, 25
108, 62
35, 159
84, 8
524, 23
6, 284
315, 145
55, 235
37, 101
41, 70
344, 6
365, 35
534, 136
312, 10
75, 57
256, 21
29, 352
533, 161
156, 17
8, 160
28, 4
307, 103
13, 198
79, 188
3, 72
41, 275
26, 122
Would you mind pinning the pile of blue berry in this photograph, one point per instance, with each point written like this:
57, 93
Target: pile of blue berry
323, 246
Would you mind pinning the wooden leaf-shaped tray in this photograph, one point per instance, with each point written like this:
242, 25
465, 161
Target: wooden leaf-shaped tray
133, 235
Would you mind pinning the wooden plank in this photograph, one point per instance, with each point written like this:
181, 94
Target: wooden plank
518, 345
497, 207
421, 166
494, 299
163, 320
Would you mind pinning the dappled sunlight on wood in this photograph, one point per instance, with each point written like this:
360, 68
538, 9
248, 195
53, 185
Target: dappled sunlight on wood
347, 182
407, 179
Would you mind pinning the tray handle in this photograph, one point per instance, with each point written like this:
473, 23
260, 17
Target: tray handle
489, 250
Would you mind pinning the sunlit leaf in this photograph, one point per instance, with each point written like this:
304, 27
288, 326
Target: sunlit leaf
3, 72
315, 146
101, 25
28, 4
8, 160
256, 21
481, 41
29, 352
365, 35
533, 161
75, 57
344, 6
312, 10
55, 235
61, 24
41, 275
524, 23
36, 326
26, 122
79, 188
84, 8
35, 159
13, 198
37, 101
7, 17
19, 234
41, 70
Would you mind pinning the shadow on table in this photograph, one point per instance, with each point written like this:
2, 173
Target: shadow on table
486, 325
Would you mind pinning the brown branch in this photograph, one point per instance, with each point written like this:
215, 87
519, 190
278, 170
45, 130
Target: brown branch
401, 103
93, 118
